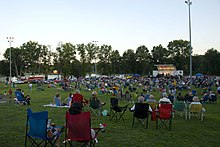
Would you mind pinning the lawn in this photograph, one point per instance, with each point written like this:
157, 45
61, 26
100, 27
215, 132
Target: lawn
118, 133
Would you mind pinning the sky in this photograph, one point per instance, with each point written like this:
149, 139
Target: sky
123, 24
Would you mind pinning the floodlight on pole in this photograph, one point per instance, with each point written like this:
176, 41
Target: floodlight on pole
95, 43
10, 40
190, 43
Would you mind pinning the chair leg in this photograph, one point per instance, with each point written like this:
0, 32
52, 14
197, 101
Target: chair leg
185, 114
147, 123
112, 115
170, 124
202, 116
121, 115
133, 122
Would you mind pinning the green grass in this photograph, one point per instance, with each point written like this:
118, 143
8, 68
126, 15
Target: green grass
118, 134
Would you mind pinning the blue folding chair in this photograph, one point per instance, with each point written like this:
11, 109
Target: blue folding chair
19, 97
36, 129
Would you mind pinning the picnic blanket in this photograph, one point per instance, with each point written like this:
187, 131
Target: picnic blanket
52, 105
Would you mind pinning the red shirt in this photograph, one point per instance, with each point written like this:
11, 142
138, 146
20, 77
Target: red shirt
10, 92
77, 98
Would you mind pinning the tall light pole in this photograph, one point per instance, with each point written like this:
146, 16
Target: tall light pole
95, 42
10, 40
190, 44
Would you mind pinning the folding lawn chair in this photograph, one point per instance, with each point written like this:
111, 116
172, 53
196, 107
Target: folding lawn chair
116, 111
164, 116
78, 128
153, 106
140, 114
181, 107
196, 110
36, 129
19, 98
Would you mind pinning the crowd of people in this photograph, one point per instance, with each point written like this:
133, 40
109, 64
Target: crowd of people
137, 89
142, 89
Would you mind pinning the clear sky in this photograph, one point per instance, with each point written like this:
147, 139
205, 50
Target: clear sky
124, 24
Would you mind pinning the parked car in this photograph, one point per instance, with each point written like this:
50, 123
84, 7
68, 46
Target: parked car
18, 82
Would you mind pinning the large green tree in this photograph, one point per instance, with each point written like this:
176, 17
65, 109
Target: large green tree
115, 59
143, 58
198, 62
92, 51
65, 56
17, 61
81, 48
212, 60
104, 59
128, 62
179, 54
31, 55
160, 55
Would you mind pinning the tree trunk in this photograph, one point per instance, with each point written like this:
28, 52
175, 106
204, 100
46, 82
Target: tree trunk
16, 69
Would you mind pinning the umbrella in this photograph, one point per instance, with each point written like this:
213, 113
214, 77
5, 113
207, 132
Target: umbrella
199, 75
136, 75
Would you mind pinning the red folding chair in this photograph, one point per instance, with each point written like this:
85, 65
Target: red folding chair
78, 128
164, 116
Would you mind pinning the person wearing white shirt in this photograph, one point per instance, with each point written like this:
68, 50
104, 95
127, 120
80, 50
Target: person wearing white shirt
30, 86
140, 100
165, 100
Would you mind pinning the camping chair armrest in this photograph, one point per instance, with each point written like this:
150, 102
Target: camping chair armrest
131, 110
124, 107
100, 129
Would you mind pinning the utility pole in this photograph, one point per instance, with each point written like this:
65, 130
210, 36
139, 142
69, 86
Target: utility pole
10, 40
95, 42
189, 3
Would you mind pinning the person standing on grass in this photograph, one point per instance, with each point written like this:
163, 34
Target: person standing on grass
10, 95
30, 86
5, 95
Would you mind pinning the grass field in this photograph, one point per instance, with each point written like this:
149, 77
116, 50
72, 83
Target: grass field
118, 133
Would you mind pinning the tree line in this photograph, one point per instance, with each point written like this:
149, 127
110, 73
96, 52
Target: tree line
80, 59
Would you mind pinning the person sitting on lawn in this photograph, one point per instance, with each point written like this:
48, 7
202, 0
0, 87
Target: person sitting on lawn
57, 100
94, 101
78, 98
140, 100
164, 99
212, 97
205, 98
68, 100
27, 100
180, 97
196, 101
151, 99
